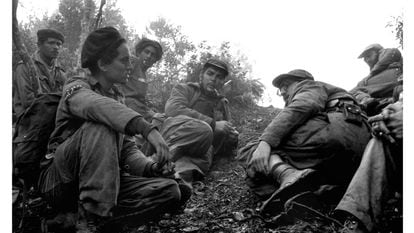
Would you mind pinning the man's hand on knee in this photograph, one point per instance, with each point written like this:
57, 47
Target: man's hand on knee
161, 147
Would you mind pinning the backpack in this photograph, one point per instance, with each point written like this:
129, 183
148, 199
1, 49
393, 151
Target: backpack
30, 140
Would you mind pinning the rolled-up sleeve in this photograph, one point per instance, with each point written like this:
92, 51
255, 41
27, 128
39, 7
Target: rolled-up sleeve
86, 104
309, 99
133, 160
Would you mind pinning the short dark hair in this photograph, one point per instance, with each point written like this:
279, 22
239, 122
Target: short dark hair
100, 44
107, 58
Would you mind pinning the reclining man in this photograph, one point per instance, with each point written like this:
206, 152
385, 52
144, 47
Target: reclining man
94, 167
198, 127
319, 134
374, 92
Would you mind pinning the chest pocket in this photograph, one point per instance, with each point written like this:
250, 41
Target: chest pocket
205, 107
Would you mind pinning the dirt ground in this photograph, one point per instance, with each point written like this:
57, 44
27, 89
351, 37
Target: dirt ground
222, 202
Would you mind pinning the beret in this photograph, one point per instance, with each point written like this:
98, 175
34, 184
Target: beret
43, 34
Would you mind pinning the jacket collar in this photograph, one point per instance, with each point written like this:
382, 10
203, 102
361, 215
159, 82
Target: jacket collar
39, 59
95, 85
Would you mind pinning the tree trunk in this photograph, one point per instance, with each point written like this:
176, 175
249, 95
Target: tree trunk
21, 49
99, 15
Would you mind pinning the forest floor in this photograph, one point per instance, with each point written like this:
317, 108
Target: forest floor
223, 203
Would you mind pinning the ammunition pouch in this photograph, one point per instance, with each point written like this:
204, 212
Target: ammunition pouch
351, 111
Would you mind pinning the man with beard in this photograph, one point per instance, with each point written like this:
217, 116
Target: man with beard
198, 127
317, 138
93, 167
50, 75
374, 92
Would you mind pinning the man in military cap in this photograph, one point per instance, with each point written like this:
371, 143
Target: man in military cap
375, 91
198, 124
94, 167
317, 138
50, 76
148, 52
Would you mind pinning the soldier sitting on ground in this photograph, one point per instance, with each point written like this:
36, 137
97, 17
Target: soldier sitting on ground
148, 52
198, 125
94, 167
317, 138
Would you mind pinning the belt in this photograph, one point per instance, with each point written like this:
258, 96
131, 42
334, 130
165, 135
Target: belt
338, 105
338, 102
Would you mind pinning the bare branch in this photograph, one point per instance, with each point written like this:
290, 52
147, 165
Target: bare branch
99, 15
21, 49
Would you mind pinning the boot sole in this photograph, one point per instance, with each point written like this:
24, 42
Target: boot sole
308, 181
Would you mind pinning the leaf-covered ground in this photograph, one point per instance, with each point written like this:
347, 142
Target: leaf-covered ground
223, 203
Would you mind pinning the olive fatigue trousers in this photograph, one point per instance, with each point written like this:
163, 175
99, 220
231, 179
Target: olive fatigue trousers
86, 169
327, 144
379, 173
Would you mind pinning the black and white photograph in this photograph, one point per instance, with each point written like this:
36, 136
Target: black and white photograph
206, 116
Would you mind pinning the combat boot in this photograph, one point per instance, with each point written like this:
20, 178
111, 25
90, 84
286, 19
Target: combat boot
351, 223
88, 222
291, 182
288, 176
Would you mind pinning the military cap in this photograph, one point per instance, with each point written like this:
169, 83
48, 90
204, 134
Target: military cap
219, 64
144, 42
43, 34
297, 74
372, 47
98, 43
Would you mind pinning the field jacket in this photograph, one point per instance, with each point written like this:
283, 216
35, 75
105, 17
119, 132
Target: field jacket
190, 100
84, 100
26, 88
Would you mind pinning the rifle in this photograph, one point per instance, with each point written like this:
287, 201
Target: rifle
22, 51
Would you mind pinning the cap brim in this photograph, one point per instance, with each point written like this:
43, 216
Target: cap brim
276, 81
220, 67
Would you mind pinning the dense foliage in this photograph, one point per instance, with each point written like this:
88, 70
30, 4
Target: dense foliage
397, 25
181, 61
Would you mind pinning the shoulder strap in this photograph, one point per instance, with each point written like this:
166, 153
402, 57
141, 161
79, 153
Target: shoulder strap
36, 81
